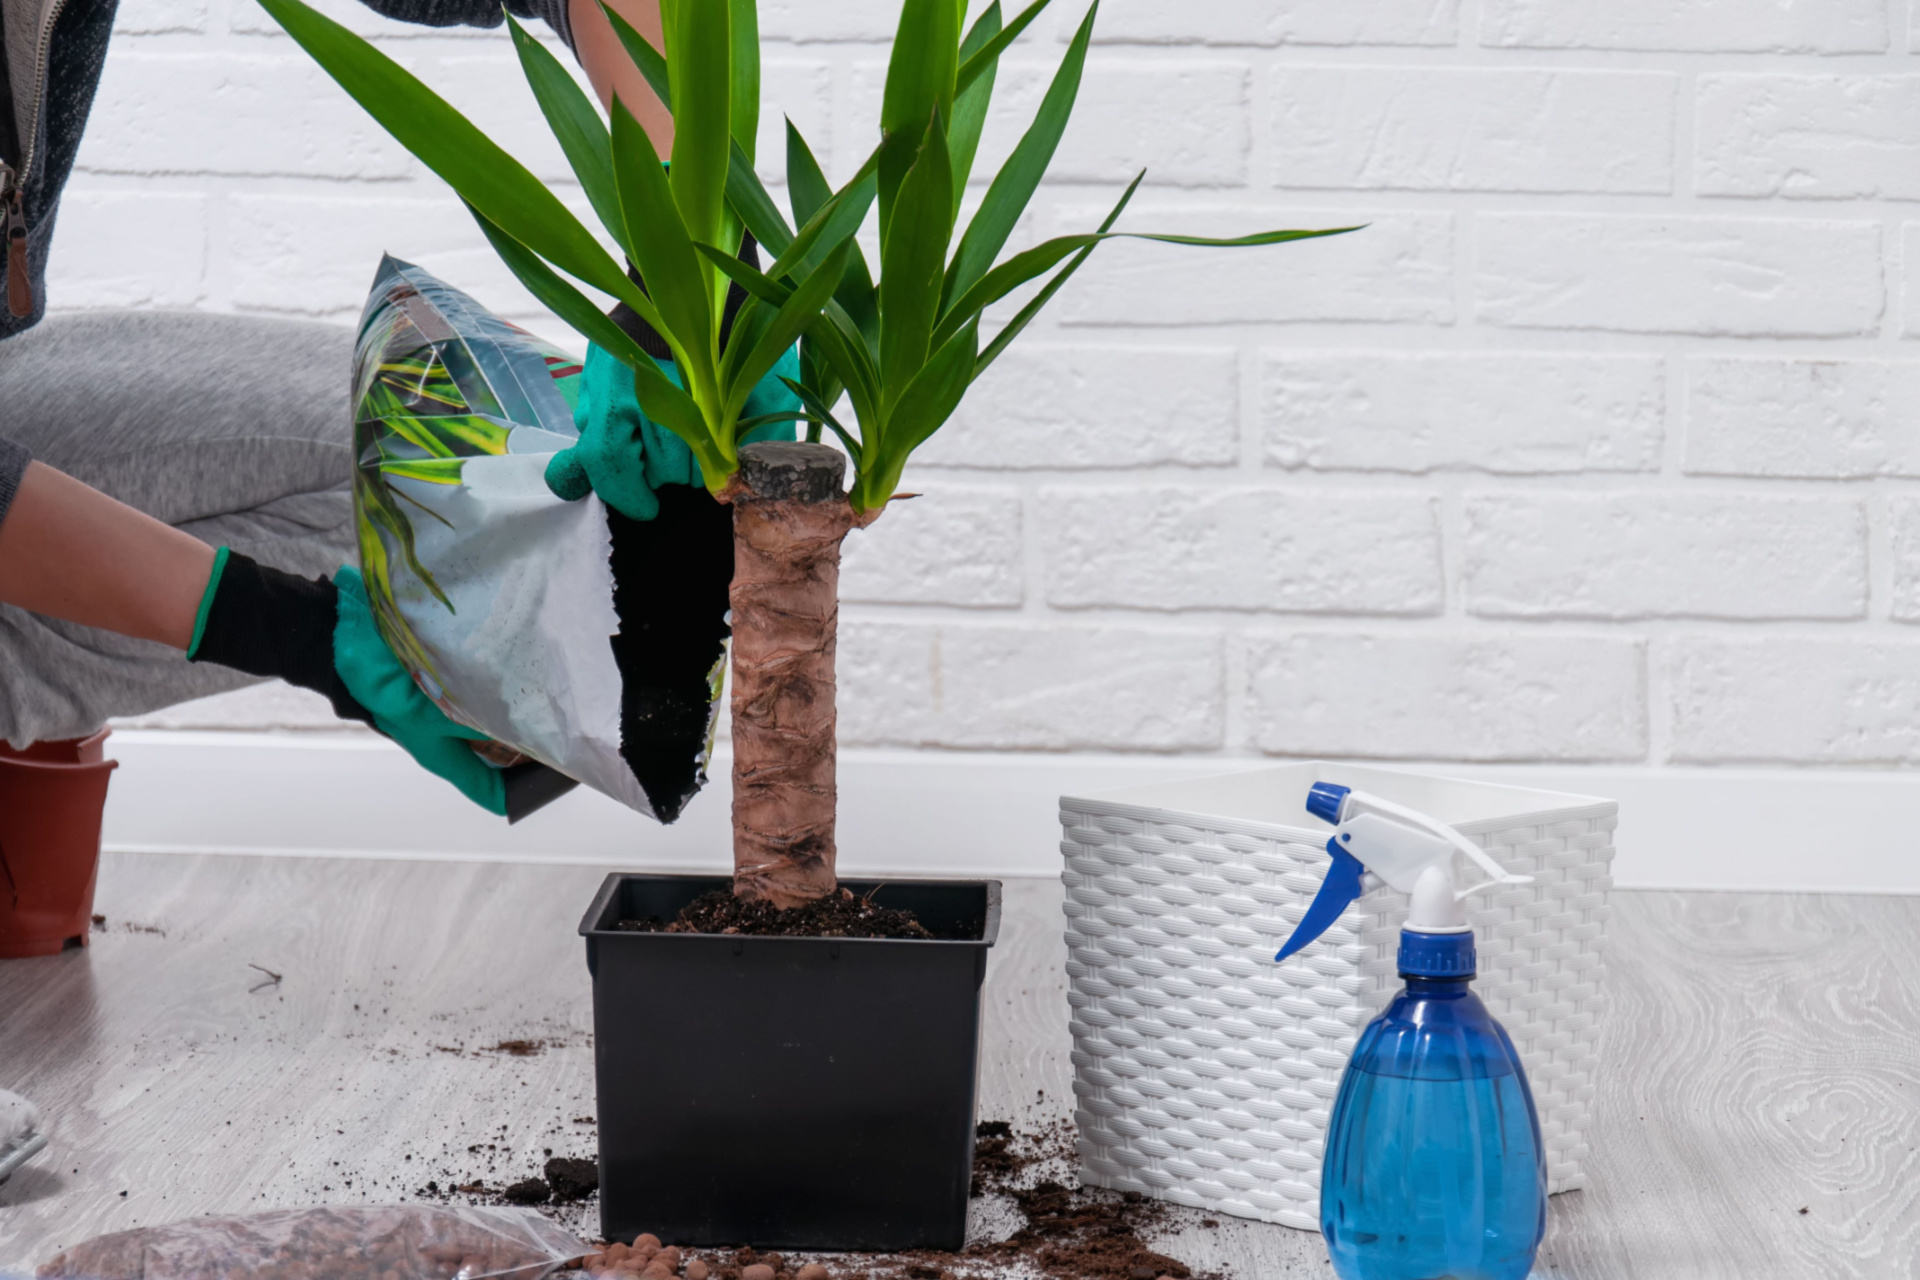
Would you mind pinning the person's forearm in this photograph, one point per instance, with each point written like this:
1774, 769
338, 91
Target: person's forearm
71, 552
612, 71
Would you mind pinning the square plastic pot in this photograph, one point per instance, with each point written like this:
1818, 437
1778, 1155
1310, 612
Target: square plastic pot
787, 1093
52, 796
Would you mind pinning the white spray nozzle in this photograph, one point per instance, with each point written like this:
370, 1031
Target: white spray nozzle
1396, 845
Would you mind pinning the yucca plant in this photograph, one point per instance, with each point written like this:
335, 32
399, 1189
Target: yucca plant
902, 348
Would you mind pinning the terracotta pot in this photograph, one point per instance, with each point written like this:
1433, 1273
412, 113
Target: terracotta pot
52, 795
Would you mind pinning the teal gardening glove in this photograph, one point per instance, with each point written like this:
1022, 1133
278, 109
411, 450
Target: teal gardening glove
320, 634
399, 709
624, 456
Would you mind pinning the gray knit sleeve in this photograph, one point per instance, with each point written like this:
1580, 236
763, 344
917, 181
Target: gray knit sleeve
475, 13
13, 465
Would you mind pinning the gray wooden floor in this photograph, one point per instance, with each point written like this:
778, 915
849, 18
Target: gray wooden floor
1759, 1113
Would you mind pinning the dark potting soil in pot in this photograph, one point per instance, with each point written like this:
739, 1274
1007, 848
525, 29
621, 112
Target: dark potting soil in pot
839, 915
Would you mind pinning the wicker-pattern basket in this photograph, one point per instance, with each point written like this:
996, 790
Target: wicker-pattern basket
1204, 1072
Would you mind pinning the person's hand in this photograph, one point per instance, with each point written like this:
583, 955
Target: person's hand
399, 709
624, 456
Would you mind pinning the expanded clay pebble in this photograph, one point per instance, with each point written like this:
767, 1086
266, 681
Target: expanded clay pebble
758, 1271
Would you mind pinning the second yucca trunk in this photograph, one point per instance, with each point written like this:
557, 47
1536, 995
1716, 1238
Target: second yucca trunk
789, 517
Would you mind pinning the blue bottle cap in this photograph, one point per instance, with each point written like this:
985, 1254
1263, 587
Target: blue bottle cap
1324, 800
1436, 955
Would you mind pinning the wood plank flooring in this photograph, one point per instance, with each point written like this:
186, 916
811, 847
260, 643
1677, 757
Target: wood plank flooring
1763, 1058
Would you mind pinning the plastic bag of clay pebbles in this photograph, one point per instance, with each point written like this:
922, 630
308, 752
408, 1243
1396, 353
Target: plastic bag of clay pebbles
20, 1132
565, 632
399, 1242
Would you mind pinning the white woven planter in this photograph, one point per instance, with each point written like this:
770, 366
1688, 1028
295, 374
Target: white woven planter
1203, 1071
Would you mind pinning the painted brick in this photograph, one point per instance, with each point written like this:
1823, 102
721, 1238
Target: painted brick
1059, 406
1276, 22
1295, 551
1472, 129
1653, 274
1786, 699
1187, 123
247, 114
1665, 554
153, 17
1910, 270
104, 255
1511, 412
1903, 528
491, 90
835, 20
1448, 697
1817, 418
1809, 137
1702, 26
1399, 269
1036, 688
952, 545
317, 256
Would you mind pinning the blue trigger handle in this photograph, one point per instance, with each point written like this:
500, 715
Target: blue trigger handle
1337, 891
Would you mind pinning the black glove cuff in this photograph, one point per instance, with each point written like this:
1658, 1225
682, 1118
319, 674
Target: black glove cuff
649, 339
269, 623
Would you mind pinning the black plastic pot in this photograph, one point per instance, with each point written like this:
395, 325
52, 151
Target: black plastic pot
787, 1093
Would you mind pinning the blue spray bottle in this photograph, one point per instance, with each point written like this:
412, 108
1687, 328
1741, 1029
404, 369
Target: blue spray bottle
1434, 1165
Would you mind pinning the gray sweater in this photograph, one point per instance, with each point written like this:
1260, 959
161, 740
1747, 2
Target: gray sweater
43, 112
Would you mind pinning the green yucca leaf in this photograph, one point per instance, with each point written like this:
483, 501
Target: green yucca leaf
788, 323
850, 355
747, 197
935, 393
744, 114
664, 401
575, 123
821, 413
1020, 176
754, 282
1022, 267
700, 61
807, 185
449, 144
969, 104
1024, 317
913, 255
832, 225
661, 244
975, 63
920, 83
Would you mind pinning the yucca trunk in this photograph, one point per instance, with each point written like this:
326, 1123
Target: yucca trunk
789, 517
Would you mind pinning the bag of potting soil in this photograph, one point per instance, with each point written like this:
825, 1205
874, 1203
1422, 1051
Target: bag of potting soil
562, 630
377, 1242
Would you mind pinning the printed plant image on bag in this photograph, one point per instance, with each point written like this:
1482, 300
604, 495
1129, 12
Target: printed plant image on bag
888, 349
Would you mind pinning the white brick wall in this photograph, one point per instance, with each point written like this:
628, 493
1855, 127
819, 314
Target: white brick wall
1601, 442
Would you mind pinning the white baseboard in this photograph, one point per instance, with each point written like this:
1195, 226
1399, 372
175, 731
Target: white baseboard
954, 813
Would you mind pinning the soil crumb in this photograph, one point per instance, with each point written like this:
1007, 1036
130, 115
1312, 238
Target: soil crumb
839, 915
528, 1191
572, 1178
